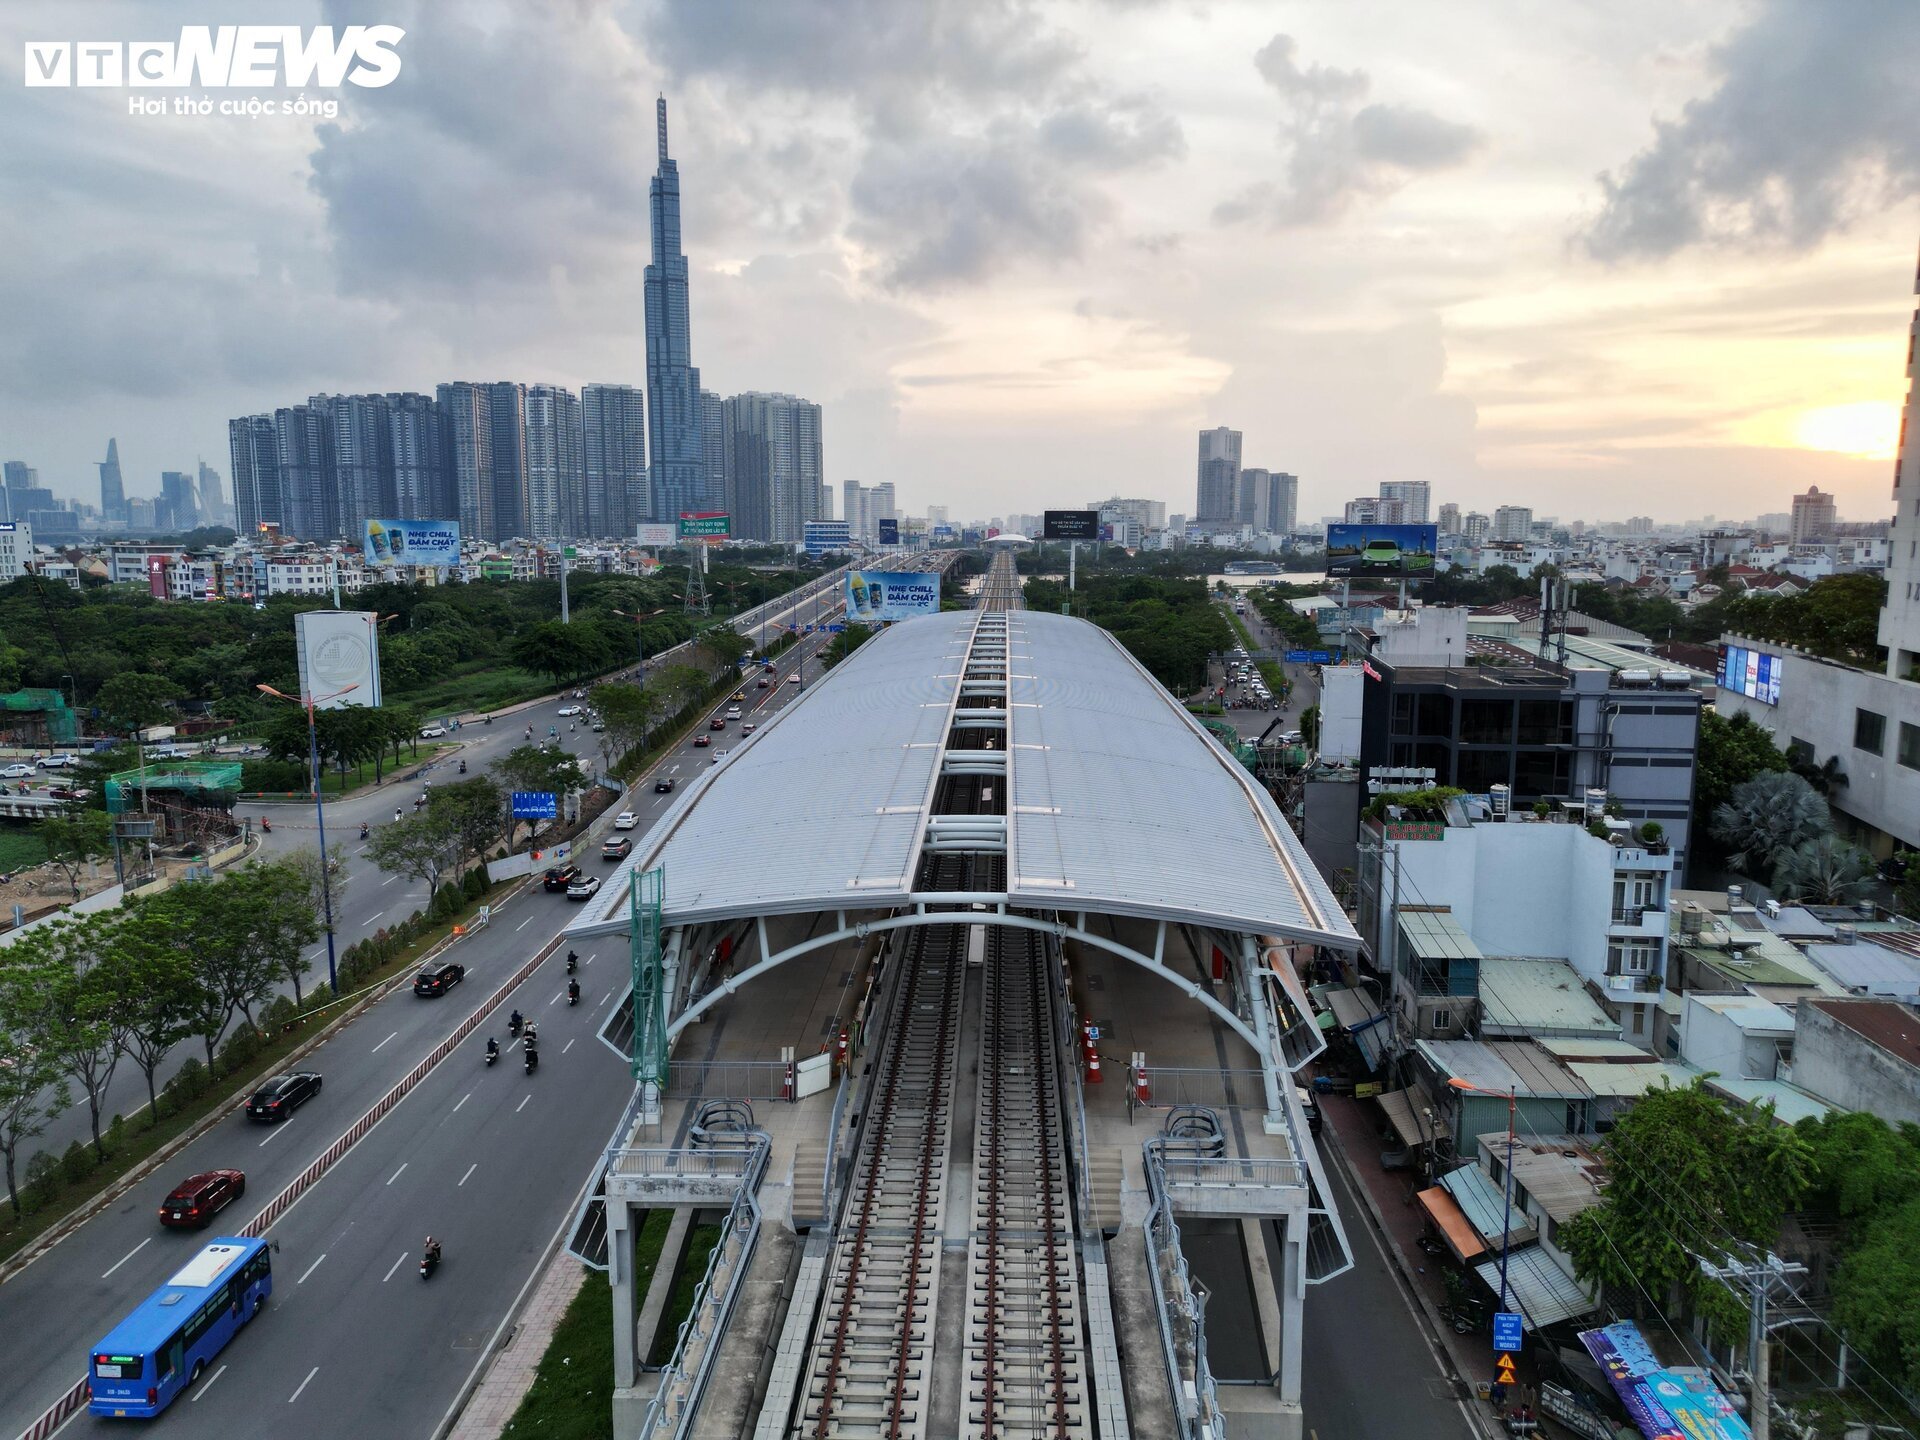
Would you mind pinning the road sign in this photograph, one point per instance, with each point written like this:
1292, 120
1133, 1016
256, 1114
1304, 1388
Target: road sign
1507, 1330
535, 805
1093, 1032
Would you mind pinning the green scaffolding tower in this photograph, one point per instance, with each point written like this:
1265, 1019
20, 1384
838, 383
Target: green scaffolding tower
646, 898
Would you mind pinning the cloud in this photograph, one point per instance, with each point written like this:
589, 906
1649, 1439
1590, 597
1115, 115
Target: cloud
1810, 129
1338, 150
980, 139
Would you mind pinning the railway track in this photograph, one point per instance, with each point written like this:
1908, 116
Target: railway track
1001, 588
871, 1368
1025, 1370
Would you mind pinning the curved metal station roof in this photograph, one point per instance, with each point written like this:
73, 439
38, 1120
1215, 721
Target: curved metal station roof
1120, 803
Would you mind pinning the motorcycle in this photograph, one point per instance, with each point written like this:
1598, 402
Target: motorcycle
1430, 1246
266, 826
429, 1263
463, 767
364, 831
493, 1051
1464, 1319
573, 961
573, 992
513, 1023
533, 1060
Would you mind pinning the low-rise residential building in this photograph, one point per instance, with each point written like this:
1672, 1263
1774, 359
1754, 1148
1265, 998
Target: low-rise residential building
1860, 1055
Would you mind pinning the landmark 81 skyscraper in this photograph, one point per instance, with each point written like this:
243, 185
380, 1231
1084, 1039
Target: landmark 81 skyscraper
676, 459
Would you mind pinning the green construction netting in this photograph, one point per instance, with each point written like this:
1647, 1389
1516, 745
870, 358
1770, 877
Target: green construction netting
124, 787
63, 726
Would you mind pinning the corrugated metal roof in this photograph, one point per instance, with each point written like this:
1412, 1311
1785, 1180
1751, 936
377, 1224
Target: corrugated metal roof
1436, 935
1503, 1065
1485, 1205
1121, 803
1616, 1081
1538, 997
1544, 1292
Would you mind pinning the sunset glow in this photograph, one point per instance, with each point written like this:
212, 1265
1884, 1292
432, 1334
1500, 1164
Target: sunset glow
1868, 430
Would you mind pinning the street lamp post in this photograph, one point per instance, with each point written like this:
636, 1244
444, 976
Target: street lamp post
1506, 1221
320, 814
639, 635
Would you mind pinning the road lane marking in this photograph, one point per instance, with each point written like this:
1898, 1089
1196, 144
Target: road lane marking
463, 1100
272, 1135
523, 925
568, 1046
373, 917
303, 1384
469, 1175
522, 1105
388, 881
395, 1266
129, 1255
398, 1173
303, 1279
557, 999
384, 1043
209, 1384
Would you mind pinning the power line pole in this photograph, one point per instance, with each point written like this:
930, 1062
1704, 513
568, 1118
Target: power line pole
1759, 1281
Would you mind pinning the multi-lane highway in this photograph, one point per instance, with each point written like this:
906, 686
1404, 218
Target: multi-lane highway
489, 1160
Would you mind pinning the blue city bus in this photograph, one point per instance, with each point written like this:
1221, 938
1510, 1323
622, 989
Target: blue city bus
161, 1348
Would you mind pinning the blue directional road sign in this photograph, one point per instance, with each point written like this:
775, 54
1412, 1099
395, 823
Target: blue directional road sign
1506, 1330
1308, 657
535, 805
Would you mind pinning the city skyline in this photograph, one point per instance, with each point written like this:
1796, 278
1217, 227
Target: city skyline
1526, 291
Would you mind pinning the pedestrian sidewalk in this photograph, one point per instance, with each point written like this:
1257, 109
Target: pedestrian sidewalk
494, 1401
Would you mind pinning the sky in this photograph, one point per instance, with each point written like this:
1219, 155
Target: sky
1603, 259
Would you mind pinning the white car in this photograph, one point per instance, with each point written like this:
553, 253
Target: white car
794, 679
57, 762
625, 820
568, 710
718, 756
431, 732
585, 888
733, 713
17, 772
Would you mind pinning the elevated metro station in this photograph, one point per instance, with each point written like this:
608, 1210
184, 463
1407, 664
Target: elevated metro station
966, 1018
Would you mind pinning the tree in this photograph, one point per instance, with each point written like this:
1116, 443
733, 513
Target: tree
1906, 893
1824, 871
208, 924
73, 1023
1729, 753
74, 839
270, 920
470, 810
556, 650
134, 699
153, 997
629, 712
316, 892
720, 646
1768, 816
420, 847
1738, 1170
844, 644
32, 1090
1310, 726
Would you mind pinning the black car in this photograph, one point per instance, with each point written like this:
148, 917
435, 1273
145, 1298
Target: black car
282, 1095
663, 787
439, 978
560, 877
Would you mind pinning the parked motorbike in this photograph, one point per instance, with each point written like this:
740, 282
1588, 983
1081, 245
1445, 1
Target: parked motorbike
1464, 1319
1430, 1246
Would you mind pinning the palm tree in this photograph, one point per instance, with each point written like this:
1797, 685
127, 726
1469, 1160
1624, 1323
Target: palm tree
1825, 871
1768, 816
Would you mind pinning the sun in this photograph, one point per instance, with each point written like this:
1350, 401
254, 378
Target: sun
1869, 429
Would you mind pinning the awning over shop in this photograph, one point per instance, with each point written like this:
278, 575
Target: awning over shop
1357, 1015
1447, 1217
1485, 1205
1402, 1108
1539, 1289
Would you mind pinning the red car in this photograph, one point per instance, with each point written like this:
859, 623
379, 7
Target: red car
702, 741
719, 722
198, 1198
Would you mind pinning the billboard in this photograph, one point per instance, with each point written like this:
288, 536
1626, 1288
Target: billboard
1751, 673
706, 525
1664, 1403
1070, 525
413, 542
659, 537
889, 531
875, 596
943, 534
1389, 552
339, 653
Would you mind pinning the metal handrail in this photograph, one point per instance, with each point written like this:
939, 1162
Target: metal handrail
671, 1161
1232, 1172
676, 1402
1199, 1416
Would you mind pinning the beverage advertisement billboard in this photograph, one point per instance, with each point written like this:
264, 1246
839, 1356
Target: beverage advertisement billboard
413, 542
877, 596
658, 537
1387, 552
1070, 525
